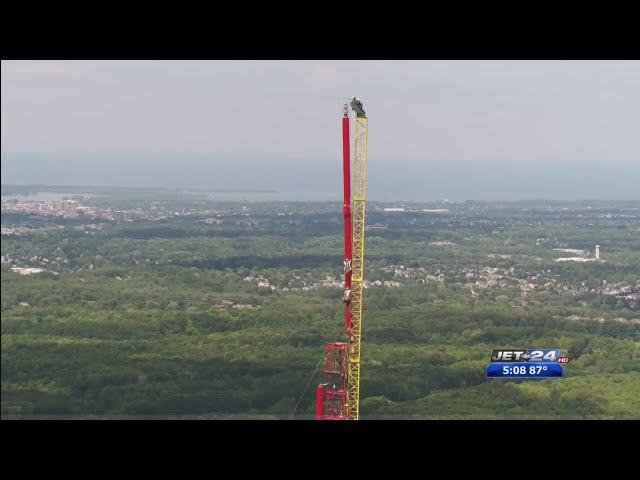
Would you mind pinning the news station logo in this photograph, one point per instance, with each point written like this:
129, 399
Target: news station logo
528, 355
526, 363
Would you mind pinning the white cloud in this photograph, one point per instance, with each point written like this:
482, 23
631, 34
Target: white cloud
39, 70
320, 79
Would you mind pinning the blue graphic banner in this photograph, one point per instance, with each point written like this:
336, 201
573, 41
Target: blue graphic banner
525, 370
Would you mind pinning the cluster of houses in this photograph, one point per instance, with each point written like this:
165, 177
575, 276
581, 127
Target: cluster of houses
232, 304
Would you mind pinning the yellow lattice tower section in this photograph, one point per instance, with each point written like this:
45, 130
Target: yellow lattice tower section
358, 212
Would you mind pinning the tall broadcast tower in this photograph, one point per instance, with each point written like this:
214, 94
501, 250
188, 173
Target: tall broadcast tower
338, 398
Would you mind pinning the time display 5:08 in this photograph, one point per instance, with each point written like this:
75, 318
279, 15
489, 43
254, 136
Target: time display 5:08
523, 369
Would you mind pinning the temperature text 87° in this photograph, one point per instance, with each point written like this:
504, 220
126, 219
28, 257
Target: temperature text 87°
522, 370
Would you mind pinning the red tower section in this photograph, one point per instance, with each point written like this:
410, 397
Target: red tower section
346, 211
331, 396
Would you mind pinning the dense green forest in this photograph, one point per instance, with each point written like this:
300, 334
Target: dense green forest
125, 318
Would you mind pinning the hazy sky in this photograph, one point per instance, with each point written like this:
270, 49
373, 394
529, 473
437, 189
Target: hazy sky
525, 114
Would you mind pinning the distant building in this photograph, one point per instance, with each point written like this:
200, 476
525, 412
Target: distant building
436, 210
378, 227
574, 259
26, 271
226, 304
597, 252
244, 306
570, 250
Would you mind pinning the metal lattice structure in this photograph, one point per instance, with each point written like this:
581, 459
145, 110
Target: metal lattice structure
339, 397
357, 264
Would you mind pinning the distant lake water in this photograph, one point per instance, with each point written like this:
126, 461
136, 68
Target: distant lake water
40, 196
315, 179
237, 196
47, 196
282, 196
